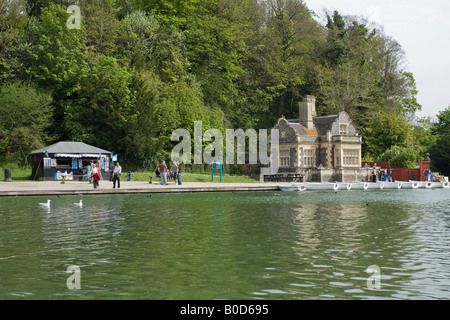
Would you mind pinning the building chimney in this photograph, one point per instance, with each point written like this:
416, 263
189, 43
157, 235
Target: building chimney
306, 111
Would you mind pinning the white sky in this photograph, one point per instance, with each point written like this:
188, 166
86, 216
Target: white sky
423, 30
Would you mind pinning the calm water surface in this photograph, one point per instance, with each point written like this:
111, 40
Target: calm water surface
262, 245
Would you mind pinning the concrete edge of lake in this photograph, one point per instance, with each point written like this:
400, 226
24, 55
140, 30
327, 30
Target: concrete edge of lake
56, 188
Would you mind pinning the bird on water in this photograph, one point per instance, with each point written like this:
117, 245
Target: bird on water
47, 204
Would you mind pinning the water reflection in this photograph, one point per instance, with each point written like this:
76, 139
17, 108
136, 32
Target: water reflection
228, 246
83, 236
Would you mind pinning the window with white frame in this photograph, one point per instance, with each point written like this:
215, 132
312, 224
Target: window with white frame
351, 158
285, 158
308, 158
343, 129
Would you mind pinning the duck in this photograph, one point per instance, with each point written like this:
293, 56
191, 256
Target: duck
80, 204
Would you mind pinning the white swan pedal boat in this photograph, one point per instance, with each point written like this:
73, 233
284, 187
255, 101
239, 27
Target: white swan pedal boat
345, 186
375, 185
409, 184
293, 188
438, 185
320, 186
360, 186
432, 185
390, 185
364, 186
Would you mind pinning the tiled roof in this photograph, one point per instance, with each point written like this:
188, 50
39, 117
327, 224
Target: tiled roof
321, 124
71, 147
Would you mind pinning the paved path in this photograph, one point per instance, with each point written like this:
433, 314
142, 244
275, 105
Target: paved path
39, 188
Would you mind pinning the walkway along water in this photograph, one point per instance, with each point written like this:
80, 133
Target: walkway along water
40, 188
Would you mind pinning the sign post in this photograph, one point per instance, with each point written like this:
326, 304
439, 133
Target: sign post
216, 165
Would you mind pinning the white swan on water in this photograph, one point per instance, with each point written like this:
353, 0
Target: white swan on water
47, 205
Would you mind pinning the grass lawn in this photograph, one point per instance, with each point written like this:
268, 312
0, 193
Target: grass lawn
23, 174
17, 173
194, 177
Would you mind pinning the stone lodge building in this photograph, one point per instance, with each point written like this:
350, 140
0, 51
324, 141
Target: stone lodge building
318, 149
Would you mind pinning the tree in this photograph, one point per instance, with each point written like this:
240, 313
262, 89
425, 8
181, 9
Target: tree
12, 14
58, 62
423, 135
160, 109
385, 131
346, 74
215, 50
26, 116
104, 105
102, 27
288, 42
406, 157
360, 70
171, 13
35, 7
440, 151
13, 44
59, 55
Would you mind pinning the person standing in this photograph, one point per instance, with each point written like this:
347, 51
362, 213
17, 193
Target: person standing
179, 173
95, 175
89, 170
111, 171
117, 173
427, 175
175, 171
163, 171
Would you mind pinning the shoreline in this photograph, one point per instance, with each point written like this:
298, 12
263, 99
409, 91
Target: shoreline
55, 188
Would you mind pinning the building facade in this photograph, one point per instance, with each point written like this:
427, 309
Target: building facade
321, 149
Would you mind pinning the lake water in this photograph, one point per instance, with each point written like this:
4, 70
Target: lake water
256, 245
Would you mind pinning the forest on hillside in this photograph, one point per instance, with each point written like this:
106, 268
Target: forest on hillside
133, 71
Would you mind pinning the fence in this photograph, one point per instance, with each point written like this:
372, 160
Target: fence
400, 173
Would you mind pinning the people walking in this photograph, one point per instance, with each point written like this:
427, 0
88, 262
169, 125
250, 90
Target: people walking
117, 173
163, 171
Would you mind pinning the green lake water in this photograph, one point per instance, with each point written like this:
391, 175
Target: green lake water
255, 245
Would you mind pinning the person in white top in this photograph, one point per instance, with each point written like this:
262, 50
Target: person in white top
95, 175
117, 172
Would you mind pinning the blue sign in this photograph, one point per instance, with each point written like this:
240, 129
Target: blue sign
216, 165
74, 163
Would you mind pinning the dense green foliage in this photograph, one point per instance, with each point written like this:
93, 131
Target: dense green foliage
440, 151
136, 70
25, 117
